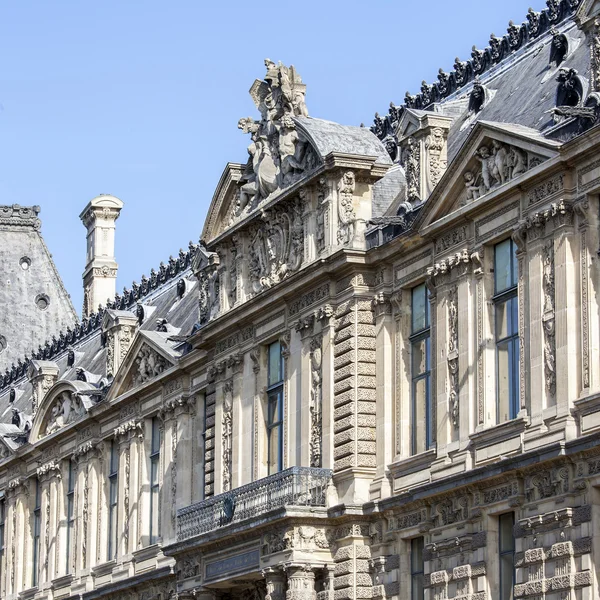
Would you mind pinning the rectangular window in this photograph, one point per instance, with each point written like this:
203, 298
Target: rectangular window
417, 568
506, 309
70, 514
275, 408
37, 522
420, 345
154, 482
506, 548
113, 497
2, 521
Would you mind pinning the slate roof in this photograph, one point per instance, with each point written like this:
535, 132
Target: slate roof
328, 137
29, 284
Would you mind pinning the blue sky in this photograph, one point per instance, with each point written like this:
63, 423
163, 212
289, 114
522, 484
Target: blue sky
141, 99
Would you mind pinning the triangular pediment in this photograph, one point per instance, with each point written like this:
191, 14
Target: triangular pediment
493, 158
151, 354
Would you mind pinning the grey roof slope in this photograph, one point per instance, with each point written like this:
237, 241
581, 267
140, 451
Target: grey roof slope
90, 354
525, 88
328, 137
35, 304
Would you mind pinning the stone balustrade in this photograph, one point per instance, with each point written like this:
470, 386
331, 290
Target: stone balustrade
296, 486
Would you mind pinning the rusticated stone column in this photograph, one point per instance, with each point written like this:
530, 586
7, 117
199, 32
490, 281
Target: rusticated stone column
275, 582
301, 582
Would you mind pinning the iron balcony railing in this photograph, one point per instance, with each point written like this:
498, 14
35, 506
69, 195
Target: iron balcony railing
297, 486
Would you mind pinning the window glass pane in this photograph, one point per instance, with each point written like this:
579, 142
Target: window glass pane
419, 417
154, 514
420, 309
507, 540
503, 320
155, 435
275, 374
275, 445
113, 492
420, 357
114, 458
506, 576
274, 407
416, 569
504, 383
503, 263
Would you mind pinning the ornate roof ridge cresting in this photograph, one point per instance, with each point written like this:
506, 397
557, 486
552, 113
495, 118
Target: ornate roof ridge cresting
481, 61
128, 299
15, 215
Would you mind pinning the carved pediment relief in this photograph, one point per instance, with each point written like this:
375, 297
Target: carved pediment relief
494, 156
66, 409
66, 403
148, 364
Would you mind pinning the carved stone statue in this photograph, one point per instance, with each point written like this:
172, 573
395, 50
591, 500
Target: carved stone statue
278, 155
569, 91
148, 364
558, 48
476, 98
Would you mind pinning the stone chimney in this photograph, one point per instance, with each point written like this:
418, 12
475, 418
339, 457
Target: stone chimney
100, 274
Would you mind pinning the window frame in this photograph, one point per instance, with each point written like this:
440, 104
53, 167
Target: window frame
417, 592
416, 337
275, 405
505, 552
507, 296
37, 534
113, 514
154, 479
70, 513
2, 537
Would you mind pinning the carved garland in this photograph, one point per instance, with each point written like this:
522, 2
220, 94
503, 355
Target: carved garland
227, 423
346, 213
453, 396
548, 319
316, 401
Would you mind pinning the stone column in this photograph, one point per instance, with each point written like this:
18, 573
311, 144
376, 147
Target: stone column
236, 365
16, 545
567, 312
309, 402
124, 435
96, 479
324, 316
48, 475
535, 301
177, 413
384, 375
275, 581
301, 582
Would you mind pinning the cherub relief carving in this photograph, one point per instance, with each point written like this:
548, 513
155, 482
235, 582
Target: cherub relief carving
67, 408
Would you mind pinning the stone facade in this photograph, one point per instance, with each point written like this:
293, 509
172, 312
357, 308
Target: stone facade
315, 402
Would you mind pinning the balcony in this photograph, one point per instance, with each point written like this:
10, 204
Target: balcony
297, 486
